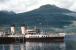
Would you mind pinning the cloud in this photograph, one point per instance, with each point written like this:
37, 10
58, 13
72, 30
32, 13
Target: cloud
19, 6
1, 1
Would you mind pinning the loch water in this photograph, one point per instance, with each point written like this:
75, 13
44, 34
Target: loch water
68, 44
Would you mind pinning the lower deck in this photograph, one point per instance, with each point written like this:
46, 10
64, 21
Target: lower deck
23, 39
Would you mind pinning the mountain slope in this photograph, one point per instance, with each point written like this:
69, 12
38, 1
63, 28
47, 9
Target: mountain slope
48, 15
45, 15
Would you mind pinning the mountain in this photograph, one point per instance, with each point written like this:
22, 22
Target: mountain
50, 9
6, 17
49, 15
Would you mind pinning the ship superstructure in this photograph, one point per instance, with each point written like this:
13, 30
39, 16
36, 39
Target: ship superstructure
31, 35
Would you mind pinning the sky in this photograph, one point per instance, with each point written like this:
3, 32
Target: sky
20, 6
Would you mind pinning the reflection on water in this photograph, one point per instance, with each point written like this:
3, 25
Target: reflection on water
45, 46
33, 46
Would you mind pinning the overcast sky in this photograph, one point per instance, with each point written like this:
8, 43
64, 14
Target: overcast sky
20, 6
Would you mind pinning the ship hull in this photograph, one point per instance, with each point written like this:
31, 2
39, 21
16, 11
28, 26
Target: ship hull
46, 39
7, 40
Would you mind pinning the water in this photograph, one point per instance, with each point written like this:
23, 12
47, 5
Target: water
33, 46
66, 45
